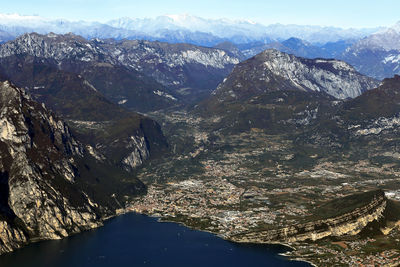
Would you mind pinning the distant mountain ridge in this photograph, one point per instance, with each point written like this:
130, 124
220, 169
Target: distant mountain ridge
377, 55
372, 51
232, 29
177, 28
297, 47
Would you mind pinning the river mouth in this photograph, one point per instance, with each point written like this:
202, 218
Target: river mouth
138, 240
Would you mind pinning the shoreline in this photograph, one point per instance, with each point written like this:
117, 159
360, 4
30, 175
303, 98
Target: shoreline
161, 220
289, 258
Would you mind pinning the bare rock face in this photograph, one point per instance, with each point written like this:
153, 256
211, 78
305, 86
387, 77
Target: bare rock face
282, 93
76, 99
11, 238
272, 70
176, 66
350, 223
38, 171
138, 155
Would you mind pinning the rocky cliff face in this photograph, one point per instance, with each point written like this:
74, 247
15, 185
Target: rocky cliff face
147, 67
11, 237
32, 54
272, 70
282, 93
41, 192
171, 64
350, 223
138, 155
76, 99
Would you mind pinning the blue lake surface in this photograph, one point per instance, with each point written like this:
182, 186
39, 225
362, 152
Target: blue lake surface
138, 240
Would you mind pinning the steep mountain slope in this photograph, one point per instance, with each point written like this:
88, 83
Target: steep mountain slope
177, 66
382, 101
103, 81
281, 93
129, 88
375, 114
273, 70
75, 55
66, 93
377, 55
152, 66
125, 138
50, 185
319, 103
364, 127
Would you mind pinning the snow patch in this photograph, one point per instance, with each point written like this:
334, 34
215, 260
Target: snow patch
164, 94
391, 59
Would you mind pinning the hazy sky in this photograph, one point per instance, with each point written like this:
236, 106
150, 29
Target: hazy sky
342, 13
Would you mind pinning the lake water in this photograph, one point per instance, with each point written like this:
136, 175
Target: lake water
138, 240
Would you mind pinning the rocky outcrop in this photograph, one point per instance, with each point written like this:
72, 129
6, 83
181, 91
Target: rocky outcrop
138, 155
100, 123
272, 70
11, 237
175, 66
347, 224
135, 54
282, 93
39, 198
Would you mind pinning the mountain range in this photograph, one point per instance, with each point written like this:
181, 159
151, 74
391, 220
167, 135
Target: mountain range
52, 184
178, 28
372, 51
140, 75
74, 110
276, 91
377, 55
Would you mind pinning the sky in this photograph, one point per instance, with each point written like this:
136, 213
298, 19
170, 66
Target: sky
339, 13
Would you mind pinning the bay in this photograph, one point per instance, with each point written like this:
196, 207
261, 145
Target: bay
138, 240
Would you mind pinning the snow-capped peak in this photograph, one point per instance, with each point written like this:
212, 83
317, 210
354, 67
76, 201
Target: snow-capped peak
396, 27
386, 39
182, 28
181, 17
250, 21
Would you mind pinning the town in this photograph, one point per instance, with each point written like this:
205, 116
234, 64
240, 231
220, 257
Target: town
253, 186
